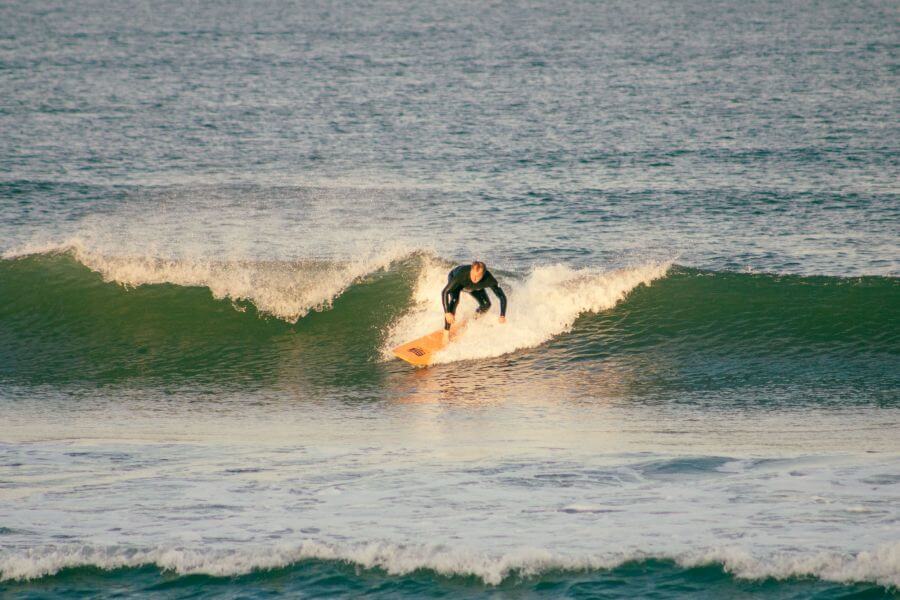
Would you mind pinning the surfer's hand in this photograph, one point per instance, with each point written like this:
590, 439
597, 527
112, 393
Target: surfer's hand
449, 317
503, 319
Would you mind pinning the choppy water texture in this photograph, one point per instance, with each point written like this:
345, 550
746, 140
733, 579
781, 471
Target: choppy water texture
216, 220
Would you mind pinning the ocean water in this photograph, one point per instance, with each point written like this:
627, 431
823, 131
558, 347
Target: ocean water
216, 219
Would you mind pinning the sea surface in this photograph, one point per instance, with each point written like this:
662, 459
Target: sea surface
217, 218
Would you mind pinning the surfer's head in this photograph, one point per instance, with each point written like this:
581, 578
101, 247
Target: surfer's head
477, 271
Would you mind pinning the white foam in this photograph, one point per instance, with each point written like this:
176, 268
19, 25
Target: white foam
287, 290
392, 558
545, 304
880, 565
586, 508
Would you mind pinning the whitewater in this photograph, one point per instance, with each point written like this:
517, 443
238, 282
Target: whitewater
262, 502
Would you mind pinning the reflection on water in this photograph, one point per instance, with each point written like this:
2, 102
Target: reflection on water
453, 411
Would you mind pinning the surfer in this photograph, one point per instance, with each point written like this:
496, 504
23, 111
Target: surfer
475, 279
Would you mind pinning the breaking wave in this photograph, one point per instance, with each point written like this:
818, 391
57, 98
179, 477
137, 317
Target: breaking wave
72, 314
881, 565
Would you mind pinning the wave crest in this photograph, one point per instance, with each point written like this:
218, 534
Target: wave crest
880, 565
288, 290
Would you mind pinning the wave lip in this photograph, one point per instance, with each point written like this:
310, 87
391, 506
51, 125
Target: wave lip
880, 565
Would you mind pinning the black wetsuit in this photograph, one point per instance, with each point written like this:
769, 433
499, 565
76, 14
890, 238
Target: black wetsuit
459, 279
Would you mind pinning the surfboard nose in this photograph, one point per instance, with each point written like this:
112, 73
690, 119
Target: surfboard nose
420, 352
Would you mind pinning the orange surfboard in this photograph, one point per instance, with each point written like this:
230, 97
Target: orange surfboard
419, 352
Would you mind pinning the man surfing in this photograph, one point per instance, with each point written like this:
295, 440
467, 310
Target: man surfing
474, 278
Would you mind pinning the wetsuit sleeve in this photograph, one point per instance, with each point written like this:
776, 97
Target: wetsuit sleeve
501, 296
446, 293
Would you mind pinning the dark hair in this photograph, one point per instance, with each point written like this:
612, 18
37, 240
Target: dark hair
478, 265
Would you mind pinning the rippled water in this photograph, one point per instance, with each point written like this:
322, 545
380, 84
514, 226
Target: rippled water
216, 220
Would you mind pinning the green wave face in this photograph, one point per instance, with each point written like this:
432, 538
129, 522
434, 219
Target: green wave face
61, 323
701, 329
